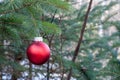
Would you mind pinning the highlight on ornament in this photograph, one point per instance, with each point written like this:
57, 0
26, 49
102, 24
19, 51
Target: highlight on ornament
38, 52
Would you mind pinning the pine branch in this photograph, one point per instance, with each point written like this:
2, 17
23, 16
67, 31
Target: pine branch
79, 43
10, 23
17, 9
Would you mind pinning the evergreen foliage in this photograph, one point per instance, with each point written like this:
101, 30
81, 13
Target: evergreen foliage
59, 24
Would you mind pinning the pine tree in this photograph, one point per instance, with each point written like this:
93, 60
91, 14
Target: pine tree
59, 23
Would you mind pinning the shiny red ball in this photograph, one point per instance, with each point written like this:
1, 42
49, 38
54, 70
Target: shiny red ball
38, 52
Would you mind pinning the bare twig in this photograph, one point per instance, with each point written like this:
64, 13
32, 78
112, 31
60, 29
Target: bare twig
50, 44
79, 43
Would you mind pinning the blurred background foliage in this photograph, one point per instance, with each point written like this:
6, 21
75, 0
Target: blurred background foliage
59, 22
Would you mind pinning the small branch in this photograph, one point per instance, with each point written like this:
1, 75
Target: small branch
50, 44
79, 43
54, 16
82, 33
30, 71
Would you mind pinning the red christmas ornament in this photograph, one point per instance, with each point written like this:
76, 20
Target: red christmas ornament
38, 52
